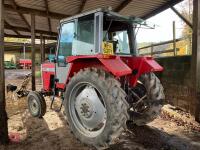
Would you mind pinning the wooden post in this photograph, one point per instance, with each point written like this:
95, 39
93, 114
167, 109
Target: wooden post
196, 57
3, 115
41, 48
33, 50
152, 49
24, 50
174, 38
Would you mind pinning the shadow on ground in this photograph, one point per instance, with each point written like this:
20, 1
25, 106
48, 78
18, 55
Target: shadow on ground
41, 136
146, 137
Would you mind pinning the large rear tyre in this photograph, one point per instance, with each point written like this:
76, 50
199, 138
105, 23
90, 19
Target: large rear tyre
36, 104
96, 108
148, 97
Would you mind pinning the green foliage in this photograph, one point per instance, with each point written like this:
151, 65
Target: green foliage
186, 11
38, 74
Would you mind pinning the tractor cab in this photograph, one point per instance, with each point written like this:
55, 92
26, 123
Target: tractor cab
94, 33
97, 32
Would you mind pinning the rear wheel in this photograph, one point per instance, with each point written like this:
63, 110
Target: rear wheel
146, 99
96, 107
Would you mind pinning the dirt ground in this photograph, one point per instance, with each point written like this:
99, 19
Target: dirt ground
173, 130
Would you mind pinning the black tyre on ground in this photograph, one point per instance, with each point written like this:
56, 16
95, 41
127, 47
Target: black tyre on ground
36, 104
149, 97
96, 108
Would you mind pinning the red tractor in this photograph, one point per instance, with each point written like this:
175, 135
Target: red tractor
99, 78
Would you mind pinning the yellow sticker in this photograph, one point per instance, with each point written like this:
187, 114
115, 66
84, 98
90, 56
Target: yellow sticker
107, 48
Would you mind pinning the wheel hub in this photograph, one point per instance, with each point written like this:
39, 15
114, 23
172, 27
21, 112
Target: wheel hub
34, 105
86, 108
89, 107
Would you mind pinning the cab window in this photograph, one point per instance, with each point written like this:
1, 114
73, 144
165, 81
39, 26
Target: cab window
66, 39
84, 42
65, 42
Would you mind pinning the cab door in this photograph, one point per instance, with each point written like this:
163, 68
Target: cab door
65, 44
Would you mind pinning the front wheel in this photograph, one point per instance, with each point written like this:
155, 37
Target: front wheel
36, 104
96, 107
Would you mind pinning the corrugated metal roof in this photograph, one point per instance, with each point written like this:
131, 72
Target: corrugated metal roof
49, 12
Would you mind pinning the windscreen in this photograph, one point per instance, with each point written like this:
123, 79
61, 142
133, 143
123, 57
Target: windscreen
117, 33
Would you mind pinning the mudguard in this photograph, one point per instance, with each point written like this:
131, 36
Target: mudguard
141, 65
116, 66
112, 64
119, 66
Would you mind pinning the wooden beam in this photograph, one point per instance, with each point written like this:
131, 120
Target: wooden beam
48, 18
182, 17
24, 10
24, 19
161, 8
33, 50
14, 30
122, 5
14, 5
196, 57
3, 115
82, 6
29, 36
24, 29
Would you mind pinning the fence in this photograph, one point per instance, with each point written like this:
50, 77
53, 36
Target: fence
152, 46
173, 50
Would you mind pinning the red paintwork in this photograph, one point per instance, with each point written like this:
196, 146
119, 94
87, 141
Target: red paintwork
14, 137
117, 65
25, 63
142, 65
48, 70
60, 85
111, 63
99, 56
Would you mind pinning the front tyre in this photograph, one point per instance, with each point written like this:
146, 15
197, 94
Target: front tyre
96, 107
36, 104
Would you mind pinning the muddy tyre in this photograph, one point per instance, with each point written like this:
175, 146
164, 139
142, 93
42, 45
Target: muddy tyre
96, 108
36, 104
150, 86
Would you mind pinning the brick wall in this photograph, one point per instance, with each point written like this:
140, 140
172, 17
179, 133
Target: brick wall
176, 79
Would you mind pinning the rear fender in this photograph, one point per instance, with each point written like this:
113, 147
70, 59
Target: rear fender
141, 65
134, 67
114, 64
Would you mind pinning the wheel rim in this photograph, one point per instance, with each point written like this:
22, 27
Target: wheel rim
33, 105
87, 109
